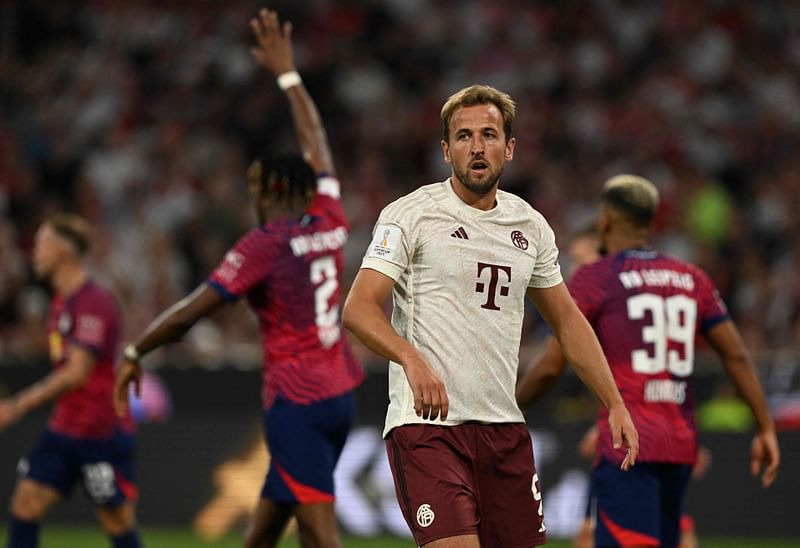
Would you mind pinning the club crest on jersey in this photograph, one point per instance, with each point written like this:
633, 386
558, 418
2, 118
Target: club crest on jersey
519, 240
64, 323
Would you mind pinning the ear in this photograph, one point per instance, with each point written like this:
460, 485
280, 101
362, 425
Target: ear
603, 220
510, 149
446, 152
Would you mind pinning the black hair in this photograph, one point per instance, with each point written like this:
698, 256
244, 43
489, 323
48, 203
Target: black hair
283, 175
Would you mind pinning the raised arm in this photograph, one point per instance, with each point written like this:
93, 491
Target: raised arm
725, 339
582, 349
169, 326
274, 53
363, 315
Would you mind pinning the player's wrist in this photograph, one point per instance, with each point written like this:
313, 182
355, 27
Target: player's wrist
288, 79
131, 353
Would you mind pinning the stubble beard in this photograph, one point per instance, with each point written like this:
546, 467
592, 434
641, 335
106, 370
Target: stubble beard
478, 187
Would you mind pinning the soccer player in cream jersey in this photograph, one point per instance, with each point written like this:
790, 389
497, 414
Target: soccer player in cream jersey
458, 258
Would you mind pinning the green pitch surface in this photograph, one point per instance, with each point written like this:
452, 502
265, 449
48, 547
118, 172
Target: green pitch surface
59, 536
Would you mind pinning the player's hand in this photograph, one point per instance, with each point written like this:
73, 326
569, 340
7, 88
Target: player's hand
10, 413
765, 452
624, 433
274, 51
129, 372
430, 395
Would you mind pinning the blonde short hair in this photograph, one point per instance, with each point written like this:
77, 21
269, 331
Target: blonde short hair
73, 228
479, 94
633, 196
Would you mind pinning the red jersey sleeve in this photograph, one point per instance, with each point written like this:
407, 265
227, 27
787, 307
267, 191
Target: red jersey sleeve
246, 265
588, 288
711, 310
95, 321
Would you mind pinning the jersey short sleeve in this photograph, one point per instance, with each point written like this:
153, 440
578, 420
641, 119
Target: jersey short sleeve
547, 271
588, 291
388, 252
245, 265
711, 308
94, 320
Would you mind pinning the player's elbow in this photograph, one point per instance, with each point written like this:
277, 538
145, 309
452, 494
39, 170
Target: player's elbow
349, 315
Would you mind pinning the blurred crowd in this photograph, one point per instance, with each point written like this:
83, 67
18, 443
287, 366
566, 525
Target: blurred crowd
143, 116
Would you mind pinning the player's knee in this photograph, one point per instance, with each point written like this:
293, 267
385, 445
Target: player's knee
26, 506
319, 536
118, 520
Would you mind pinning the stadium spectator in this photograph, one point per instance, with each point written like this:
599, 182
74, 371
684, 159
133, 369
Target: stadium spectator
458, 258
84, 440
289, 269
647, 308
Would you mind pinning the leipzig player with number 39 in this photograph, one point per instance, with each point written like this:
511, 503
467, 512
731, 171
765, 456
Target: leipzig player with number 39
647, 308
289, 270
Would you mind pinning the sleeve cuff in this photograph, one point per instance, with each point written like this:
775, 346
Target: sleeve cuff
384, 267
544, 283
227, 296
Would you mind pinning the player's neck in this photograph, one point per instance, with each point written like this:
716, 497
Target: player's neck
484, 202
614, 243
68, 278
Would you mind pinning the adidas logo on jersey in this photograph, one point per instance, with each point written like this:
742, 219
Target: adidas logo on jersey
460, 233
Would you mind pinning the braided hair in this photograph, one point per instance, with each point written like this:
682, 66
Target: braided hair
283, 176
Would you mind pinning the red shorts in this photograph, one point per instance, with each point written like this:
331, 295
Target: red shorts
470, 479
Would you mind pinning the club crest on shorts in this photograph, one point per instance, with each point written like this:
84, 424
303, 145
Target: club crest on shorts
425, 515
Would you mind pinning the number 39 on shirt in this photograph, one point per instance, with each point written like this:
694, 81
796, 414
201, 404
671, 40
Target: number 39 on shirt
671, 319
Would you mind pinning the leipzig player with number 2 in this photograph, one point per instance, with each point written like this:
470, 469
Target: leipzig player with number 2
289, 270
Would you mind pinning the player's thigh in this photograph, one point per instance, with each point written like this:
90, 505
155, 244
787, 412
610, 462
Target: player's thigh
463, 541
117, 520
106, 469
305, 442
510, 499
317, 525
628, 505
45, 475
31, 500
434, 480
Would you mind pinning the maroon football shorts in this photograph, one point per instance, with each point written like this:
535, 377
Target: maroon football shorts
470, 479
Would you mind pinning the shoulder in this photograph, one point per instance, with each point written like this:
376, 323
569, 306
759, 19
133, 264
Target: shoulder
517, 208
415, 204
95, 296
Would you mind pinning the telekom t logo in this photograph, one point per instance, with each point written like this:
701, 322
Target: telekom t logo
494, 278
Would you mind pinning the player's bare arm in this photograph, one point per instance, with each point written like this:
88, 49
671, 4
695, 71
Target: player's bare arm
363, 315
542, 374
274, 53
169, 326
725, 339
582, 349
73, 374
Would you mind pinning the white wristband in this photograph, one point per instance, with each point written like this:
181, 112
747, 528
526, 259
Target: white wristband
131, 354
289, 79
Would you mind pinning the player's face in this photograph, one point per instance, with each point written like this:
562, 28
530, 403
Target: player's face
48, 248
477, 148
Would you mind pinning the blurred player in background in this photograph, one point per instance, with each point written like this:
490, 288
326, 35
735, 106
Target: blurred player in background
458, 258
647, 309
85, 440
289, 270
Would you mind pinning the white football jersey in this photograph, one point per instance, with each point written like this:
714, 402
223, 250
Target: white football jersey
461, 277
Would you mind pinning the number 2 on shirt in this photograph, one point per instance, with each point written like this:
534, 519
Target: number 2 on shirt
672, 319
323, 276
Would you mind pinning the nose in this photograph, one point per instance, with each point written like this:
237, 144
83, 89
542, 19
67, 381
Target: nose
478, 144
